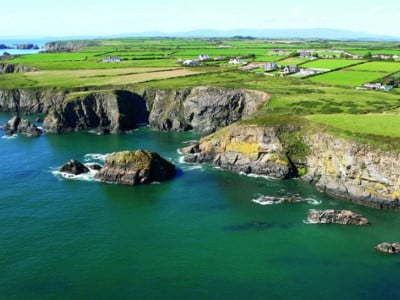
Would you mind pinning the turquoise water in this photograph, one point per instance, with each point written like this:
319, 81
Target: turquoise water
198, 236
12, 43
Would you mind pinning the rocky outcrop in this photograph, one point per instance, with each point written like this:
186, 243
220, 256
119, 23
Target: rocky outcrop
388, 248
74, 167
342, 217
114, 112
136, 167
21, 126
15, 68
268, 200
248, 149
68, 46
203, 109
27, 47
30, 101
341, 167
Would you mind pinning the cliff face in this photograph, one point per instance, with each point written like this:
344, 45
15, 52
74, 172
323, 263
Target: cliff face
337, 166
113, 112
15, 68
203, 109
30, 101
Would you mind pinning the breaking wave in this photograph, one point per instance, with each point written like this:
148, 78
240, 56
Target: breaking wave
9, 137
90, 176
95, 157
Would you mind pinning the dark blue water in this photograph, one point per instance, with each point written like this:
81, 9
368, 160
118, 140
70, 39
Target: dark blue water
198, 236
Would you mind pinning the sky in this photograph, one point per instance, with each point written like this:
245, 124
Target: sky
43, 18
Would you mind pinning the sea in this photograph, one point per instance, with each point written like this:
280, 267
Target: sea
198, 236
13, 42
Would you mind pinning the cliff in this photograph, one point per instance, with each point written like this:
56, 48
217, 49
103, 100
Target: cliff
338, 166
15, 68
203, 109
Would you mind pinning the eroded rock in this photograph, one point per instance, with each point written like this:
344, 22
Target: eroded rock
21, 126
389, 248
74, 167
330, 216
136, 167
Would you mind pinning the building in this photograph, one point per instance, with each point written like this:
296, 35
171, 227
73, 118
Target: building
112, 59
377, 87
235, 61
270, 66
290, 70
191, 62
306, 54
204, 57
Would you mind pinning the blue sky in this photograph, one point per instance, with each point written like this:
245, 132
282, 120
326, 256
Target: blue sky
101, 17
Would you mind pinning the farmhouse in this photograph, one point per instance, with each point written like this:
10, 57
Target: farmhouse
270, 66
112, 59
204, 57
306, 54
290, 70
376, 86
235, 61
191, 62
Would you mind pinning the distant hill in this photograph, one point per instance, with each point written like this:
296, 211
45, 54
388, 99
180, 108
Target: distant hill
316, 33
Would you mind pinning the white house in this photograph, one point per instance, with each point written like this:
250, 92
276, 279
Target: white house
191, 62
235, 61
112, 59
204, 57
290, 70
377, 86
270, 66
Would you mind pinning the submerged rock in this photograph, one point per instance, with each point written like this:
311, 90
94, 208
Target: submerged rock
330, 216
136, 167
21, 126
389, 248
74, 167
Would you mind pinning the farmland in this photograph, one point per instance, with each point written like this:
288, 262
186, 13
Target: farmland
330, 98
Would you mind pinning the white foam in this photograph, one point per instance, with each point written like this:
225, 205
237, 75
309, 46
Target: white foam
308, 222
95, 157
261, 200
179, 151
9, 137
190, 142
90, 176
251, 175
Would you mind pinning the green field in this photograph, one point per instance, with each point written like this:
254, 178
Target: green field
330, 98
330, 64
375, 124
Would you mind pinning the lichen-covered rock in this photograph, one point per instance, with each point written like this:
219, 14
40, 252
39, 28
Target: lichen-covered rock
388, 248
74, 167
248, 149
136, 167
342, 217
21, 126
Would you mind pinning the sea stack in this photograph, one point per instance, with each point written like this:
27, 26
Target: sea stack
135, 168
21, 126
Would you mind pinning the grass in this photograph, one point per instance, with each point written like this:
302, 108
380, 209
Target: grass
348, 78
373, 124
293, 61
330, 64
377, 66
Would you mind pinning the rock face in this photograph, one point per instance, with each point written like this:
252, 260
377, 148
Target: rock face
136, 167
15, 68
247, 149
342, 217
108, 112
203, 109
388, 248
354, 171
74, 167
21, 126
30, 101
27, 47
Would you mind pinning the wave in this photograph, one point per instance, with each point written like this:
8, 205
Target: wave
190, 142
262, 200
251, 175
95, 157
90, 176
9, 137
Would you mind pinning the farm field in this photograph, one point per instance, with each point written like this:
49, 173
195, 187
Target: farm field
157, 63
330, 64
374, 124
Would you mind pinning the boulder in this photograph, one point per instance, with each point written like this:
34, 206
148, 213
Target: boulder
330, 216
74, 167
136, 167
192, 149
21, 126
94, 166
389, 248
